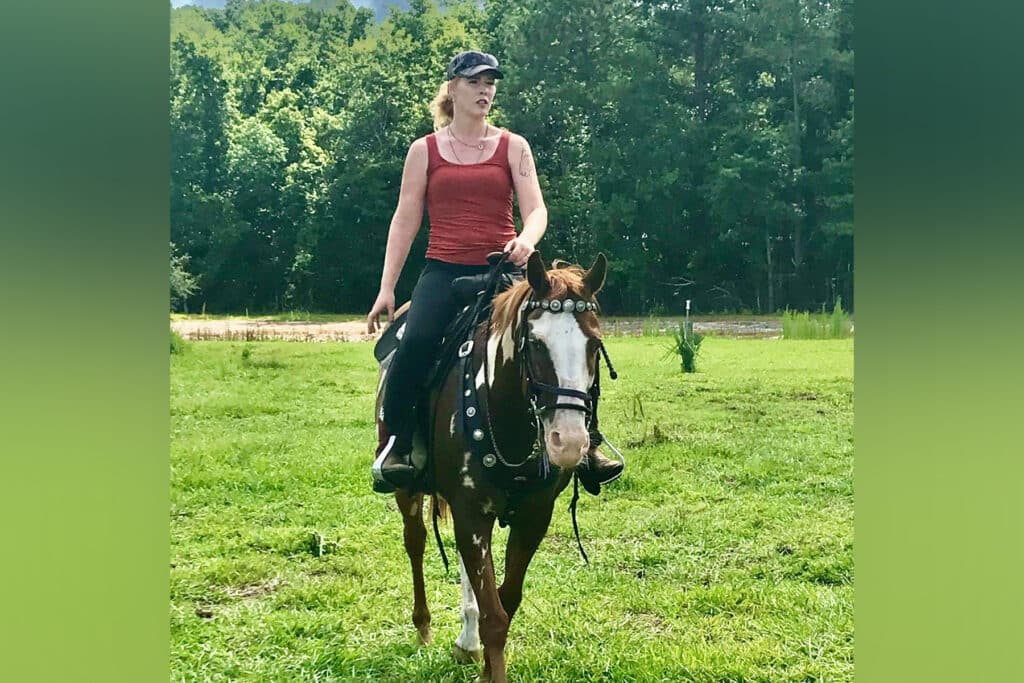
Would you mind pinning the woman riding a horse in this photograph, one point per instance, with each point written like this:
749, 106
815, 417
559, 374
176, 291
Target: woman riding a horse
465, 173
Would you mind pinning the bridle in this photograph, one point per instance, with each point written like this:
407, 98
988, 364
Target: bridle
534, 387
475, 424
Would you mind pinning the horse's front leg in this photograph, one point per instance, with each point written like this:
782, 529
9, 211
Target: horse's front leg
467, 646
524, 538
415, 534
473, 537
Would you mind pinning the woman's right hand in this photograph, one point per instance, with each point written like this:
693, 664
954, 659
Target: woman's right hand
385, 303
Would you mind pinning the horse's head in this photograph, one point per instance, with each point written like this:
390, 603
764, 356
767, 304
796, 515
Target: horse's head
559, 338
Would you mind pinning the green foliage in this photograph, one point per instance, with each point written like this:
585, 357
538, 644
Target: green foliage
178, 343
724, 553
183, 283
834, 325
686, 344
707, 149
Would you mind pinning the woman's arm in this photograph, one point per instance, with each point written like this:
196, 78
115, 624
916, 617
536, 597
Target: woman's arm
404, 226
531, 202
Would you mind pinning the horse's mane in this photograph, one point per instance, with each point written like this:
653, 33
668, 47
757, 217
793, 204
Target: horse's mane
564, 280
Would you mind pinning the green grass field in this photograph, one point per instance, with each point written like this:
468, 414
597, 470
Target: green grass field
725, 553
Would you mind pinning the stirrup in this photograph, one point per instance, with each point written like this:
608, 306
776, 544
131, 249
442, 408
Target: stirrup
622, 459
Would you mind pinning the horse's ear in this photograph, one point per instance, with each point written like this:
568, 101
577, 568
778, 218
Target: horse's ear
594, 279
537, 275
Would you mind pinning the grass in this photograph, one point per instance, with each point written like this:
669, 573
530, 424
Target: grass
834, 325
178, 344
725, 553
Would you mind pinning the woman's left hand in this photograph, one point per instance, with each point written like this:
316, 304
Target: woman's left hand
519, 250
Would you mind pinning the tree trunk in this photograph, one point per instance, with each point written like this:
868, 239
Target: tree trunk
770, 268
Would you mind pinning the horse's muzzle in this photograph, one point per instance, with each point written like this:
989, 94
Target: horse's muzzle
566, 439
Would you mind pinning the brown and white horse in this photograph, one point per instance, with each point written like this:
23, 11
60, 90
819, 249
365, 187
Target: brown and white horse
532, 366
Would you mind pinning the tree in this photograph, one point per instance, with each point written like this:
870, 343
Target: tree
183, 283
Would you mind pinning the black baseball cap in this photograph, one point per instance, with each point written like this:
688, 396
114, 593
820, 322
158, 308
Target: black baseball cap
471, 63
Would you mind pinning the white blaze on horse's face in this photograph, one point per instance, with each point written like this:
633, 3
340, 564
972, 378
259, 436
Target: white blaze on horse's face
565, 431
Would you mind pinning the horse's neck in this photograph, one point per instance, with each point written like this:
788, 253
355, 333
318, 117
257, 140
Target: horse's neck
507, 405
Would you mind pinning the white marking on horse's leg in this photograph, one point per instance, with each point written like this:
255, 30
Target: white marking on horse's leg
488, 508
477, 540
483, 552
468, 482
414, 509
469, 638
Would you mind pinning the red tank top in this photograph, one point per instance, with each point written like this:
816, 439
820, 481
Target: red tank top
469, 205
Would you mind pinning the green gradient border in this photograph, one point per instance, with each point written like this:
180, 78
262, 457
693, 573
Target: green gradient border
84, 464
939, 479
83, 205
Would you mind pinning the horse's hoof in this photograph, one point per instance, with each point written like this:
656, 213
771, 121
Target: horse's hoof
467, 656
424, 638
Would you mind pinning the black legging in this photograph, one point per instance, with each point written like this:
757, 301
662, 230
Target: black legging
432, 308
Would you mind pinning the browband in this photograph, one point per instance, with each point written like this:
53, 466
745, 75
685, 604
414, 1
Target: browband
567, 306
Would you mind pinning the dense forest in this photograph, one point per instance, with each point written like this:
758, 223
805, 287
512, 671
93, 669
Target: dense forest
705, 146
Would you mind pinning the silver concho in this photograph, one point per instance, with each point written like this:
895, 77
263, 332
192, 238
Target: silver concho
467, 392
470, 411
478, 435
568, 304
581, 306
545, 304
556, 306
489, 460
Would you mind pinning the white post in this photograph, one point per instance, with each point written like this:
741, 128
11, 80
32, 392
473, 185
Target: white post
687, 330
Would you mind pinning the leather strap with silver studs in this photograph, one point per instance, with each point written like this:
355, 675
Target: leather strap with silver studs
561, 305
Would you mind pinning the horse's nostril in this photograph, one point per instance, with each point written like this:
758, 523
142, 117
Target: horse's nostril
556, 439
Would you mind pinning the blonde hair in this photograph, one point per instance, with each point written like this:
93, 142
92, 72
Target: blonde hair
442, 107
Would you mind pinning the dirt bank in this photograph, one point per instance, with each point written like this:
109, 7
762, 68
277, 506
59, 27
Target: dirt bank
255, 329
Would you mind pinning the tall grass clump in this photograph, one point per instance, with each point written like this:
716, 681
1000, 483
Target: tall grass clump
178, 343
685, 344
805, 325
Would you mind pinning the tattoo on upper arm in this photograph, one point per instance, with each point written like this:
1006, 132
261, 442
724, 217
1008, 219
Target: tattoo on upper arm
526, 163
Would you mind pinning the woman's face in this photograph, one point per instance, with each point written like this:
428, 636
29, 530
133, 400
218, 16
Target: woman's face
474, 95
